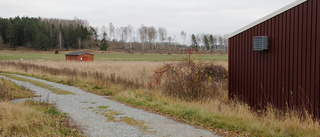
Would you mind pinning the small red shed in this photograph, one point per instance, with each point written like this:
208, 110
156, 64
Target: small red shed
79, 56
286, 72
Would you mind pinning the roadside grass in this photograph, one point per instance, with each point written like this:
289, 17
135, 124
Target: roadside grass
9, 55
11, 91
40, 84
231, 118
30, 118
34, 119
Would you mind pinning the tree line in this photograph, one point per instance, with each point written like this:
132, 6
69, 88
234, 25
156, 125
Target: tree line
44, 34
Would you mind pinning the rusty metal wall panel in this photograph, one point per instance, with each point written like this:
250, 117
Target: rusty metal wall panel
288, 73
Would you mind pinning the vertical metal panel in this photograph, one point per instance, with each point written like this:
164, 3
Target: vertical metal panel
287, 59
291, 57
283, 61
236, 72
313, 55
265, 67
251, 67
255, 83
308, 69
300, 93
304, 54
258, 70
317, 75
295, 56
245, 69
268, 70
279, 90
240, 77
272, 60
288, 73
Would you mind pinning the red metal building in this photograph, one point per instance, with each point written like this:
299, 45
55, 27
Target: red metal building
288, 72
79, 56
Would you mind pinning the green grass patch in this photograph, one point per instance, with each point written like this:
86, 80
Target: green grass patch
112, 117
103, 107
40, 84
30, 56
107, 57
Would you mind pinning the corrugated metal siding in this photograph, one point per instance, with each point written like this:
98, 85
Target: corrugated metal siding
288, 73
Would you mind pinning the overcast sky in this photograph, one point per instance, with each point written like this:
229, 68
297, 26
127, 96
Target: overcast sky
191, 16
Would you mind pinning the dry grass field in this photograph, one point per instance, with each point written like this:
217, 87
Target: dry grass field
138, 71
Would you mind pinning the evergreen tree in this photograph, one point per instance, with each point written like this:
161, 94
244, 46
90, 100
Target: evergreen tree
194, 42
11, 35
212, 42
206, 42
43, 34
104, 43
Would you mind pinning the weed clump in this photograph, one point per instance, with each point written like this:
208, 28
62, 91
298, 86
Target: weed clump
189, 79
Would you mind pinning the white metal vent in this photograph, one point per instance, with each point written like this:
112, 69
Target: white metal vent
260, 43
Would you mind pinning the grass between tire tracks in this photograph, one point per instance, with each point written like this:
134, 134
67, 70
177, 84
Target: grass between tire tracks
30, 118
231, 119
112, 116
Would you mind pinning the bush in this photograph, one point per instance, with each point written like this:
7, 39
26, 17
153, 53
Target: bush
189, 79
56, 52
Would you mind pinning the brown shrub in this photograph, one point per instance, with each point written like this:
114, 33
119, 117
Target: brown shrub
189, 79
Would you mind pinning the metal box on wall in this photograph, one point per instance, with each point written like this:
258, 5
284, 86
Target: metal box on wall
260, 43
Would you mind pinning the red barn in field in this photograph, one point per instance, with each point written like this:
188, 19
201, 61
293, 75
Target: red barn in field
79, 56
282, 65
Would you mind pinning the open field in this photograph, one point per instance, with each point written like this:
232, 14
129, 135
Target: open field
137, 71
46, 55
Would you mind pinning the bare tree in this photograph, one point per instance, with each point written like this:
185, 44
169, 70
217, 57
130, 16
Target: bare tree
199, 40
143, 33
183, 37
103, 30
220, 40
170, 39
117, 34
130, 32
225, 41
123, 34
111, 31
162, 34
152, 34
60, 39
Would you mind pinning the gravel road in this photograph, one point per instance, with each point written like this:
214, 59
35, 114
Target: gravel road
93, 114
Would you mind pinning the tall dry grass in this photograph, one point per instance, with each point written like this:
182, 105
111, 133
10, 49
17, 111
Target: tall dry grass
10, 91
34, 119
137, 71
